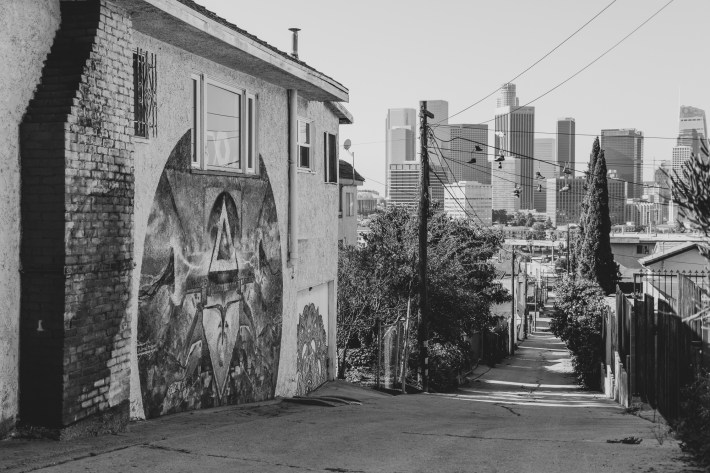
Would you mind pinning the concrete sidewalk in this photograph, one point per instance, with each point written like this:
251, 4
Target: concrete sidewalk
525, 415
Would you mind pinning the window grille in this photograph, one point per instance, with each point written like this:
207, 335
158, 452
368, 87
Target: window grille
145, 88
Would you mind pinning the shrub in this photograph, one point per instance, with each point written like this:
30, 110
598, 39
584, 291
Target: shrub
577, 320
694, 419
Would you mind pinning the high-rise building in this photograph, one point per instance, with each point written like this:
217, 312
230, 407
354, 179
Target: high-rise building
400, 133
680, 155
514, 139
468, 199
438, 124
692, 132
692, 118
462, 148
566, 129
508, 96
623, 150
404, 184
545, 159
437, 181
565, 206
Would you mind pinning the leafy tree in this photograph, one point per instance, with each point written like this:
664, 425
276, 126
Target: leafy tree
378, 279
501, 216
596, 261
529, 220
548, 224
691, 191
538, 231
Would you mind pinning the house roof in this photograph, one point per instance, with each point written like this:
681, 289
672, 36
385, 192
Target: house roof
190, 26
341, 112
346, 172
665, 254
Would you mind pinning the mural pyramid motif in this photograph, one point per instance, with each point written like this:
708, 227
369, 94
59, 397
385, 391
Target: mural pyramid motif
224, 256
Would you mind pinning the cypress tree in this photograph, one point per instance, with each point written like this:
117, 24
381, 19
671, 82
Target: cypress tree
596, 261
578, 240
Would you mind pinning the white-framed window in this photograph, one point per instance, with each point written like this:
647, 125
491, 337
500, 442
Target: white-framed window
330, 157
305, 144
196, 130
349, 204
224, 126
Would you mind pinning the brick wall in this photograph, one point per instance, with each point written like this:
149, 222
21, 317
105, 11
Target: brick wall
77, 218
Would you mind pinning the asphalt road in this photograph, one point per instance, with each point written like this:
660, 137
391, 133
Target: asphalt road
525, 415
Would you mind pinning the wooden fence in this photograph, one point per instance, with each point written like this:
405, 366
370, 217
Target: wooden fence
650, 351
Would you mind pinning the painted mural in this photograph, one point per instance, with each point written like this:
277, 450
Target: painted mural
210, 303
312, 356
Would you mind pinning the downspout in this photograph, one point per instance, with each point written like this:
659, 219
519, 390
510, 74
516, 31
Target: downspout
293, 175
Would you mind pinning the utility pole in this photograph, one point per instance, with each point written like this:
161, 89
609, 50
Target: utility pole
525, 299
423, 333
511, 335
569, 250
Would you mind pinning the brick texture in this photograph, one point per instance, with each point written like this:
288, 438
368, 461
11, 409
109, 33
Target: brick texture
77, 218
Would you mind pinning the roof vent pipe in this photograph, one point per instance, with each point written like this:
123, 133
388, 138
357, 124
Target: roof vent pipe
295, 41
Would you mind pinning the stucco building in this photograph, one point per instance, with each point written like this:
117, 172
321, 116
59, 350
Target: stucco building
174, 182
349, 180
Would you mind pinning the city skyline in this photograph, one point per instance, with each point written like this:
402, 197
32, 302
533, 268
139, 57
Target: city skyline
609, 94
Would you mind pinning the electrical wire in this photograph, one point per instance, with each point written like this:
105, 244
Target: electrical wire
533, 64
587, 66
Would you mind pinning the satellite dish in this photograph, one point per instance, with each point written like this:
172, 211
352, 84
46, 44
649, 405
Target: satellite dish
347, 144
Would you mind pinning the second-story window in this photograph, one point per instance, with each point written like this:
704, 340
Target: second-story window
330, 157
305, 142
224, 127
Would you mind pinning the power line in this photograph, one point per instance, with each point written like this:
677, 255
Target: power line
588, 65
533, 64
522, 184
512, 154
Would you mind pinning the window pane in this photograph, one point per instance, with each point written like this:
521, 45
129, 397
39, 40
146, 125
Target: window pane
304, 133
250, 138
223, 128
333, 158
304, 160
195, 122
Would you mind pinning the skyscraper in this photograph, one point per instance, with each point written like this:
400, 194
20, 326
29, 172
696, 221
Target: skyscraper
440, 109
566, 128
514, 139
545, 159
471, 200
692, 118
404, 184
623, 150
461, 151
400, 132
692, 130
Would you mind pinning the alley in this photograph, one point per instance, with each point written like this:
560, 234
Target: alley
524, 415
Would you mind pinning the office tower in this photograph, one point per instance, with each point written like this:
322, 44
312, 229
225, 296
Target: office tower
662, 181
565, 207
400, 131
692, 118
462, 148
545, 159
438, 124
680, 155
437, 181
514, 139
508, 96
566, 129
692, 132
469, 199
623, 150
617, 200
404, 185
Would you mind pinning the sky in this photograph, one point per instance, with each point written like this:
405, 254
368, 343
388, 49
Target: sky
394, 53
